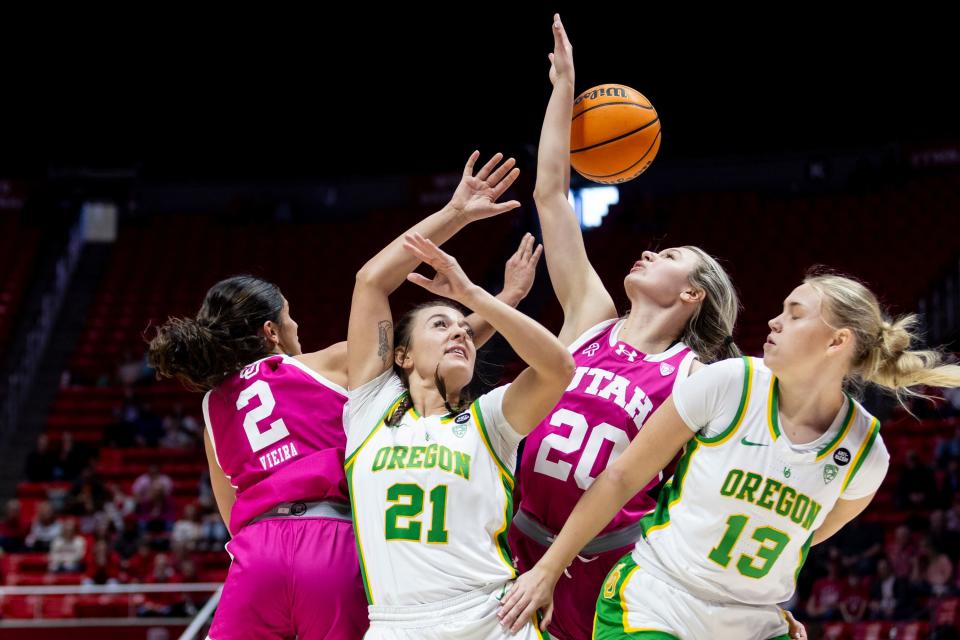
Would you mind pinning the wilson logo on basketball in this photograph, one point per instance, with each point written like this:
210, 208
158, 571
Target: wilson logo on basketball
614, 134
599, 92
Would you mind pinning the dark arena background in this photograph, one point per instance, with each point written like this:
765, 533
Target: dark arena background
140, 164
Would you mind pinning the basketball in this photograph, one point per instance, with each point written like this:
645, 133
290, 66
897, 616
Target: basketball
614, 135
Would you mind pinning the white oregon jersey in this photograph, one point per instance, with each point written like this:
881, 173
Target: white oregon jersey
735, 522
432, 497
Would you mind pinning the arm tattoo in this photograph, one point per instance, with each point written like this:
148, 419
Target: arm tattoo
384, 327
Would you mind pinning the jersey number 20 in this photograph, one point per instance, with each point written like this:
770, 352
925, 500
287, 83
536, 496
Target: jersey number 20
569, 444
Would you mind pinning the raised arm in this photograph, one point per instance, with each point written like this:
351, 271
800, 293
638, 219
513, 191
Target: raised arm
370, 330
518, 276
550, 365
584, 299
652, 450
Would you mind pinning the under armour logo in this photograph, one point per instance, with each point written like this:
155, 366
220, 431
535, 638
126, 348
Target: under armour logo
622, 351
666, 368
250, 370
591, 350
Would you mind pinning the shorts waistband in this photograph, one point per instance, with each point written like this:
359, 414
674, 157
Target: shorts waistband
433, 613
321, 509
616, 539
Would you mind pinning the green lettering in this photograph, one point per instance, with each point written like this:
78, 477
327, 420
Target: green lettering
381, 458
799, 512
430, 460
785, 502
769, 489
732, 482
398, 458
751, 484
462, 464
812, 514
446, 459
416, 455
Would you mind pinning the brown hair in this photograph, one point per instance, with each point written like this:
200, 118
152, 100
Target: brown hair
224, 336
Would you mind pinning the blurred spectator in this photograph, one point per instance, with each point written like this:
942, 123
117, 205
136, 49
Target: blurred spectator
148, 428
215, 534
941, 537
71, 459
144, 485
918, 589
119, 506
12, 530
41, 461
950, 486
103, 566
952, 404
940, 574
855, 598
132, 369
948, 449
128, 541
916, 485
860, 545
162, 570
157, 513
87, 495
44, 530
888, 594
901, 551
824, 602
139, 565
205, 492
173, 436
67, 550
187, 531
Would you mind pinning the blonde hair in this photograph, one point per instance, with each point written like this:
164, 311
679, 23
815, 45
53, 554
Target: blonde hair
709, 331
882, 356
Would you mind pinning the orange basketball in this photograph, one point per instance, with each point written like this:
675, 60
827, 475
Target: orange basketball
615, 134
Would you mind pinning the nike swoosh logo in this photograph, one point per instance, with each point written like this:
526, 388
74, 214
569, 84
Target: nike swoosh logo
752, 444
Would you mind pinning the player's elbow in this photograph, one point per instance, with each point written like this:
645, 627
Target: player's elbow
547, 191
618, 479
368, 276
566, 367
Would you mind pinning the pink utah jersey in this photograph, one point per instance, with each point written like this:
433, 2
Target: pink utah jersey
277, 432
613, 392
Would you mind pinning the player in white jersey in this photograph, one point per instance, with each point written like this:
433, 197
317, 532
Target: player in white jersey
430, 471
776, 458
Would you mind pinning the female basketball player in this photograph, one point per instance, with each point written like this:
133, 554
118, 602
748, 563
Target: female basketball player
682, 307
274, 441
430, 468
776, 458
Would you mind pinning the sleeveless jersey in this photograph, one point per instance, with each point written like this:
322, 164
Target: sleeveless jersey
736, 521
431, 496
614, 391
277, 433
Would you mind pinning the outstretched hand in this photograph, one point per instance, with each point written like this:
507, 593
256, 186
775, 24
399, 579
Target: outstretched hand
476, 196
450, 281
561, 60
521, 268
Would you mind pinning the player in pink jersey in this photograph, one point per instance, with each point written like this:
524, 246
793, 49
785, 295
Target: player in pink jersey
682, 311
274, 442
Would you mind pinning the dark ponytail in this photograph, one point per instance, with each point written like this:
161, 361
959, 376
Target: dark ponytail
224, 336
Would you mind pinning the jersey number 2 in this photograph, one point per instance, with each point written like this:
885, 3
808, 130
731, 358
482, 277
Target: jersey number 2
277, 430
